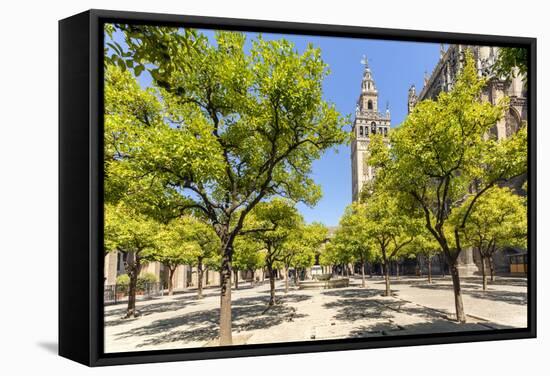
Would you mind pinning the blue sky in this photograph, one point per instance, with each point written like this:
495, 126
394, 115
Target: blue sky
395, 66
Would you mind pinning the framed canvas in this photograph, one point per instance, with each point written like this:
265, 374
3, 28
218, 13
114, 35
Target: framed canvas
234, 187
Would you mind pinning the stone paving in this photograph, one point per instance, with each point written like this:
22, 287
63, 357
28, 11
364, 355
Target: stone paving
182, 321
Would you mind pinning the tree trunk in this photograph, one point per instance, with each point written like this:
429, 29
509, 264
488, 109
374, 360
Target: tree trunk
492, 267
286, 279
363, 266
200, 272
483, 271
252, 280
387, 277
133, 268
429, 270
271, 286
459, 306
386, 273
131, 310
236, 273
171, 280
225, 297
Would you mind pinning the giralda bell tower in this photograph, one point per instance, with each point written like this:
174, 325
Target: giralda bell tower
368, 121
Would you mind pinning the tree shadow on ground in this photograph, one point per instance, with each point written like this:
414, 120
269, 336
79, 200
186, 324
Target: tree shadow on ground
352, 292
415, 282
192, 294
432, 326
247, 314
360, 304
293, 298
519, 298
437, 286
500, 281
116, 316
353, 309
476, 291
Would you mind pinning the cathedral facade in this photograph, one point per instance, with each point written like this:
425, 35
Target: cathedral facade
447, 69
368, 121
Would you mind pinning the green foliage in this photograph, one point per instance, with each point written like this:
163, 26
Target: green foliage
185, 240
390, 224
305, 242
441, 156
140, 142
248, 254
155, 43
228, 130
423, 244
123, 280
512, 61
499, 219
145, 279
351, 242
127, 230
270, 226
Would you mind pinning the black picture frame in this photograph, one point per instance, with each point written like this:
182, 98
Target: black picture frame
81, 187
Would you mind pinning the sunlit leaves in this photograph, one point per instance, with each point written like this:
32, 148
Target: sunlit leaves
185, 239
126, 230
499, 219
512, 61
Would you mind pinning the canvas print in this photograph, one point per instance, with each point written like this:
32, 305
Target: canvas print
266, 188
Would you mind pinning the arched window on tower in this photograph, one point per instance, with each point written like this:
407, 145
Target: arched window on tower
360, 130
369, 105
373, 128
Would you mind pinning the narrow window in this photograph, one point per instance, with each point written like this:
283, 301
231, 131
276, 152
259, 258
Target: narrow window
369, 105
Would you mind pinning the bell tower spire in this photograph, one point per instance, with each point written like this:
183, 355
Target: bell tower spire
368, 100
368, 122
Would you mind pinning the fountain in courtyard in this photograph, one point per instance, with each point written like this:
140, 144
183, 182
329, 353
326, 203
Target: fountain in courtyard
323, 281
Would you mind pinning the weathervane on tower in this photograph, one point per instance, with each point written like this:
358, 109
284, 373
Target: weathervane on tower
365, 62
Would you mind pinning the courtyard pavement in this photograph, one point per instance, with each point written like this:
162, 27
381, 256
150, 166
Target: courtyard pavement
416, 307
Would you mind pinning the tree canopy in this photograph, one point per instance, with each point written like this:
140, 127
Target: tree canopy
511, 62
271, 224
498, 220
226, 127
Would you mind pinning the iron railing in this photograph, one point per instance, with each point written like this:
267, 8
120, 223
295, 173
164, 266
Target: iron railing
113, 294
